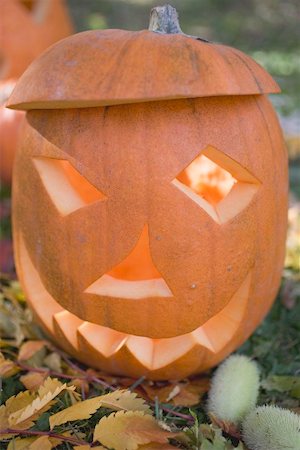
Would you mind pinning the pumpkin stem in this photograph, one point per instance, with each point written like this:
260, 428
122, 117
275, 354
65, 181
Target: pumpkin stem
164, 19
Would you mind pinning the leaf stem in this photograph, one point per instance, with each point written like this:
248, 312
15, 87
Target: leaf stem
44, 433
53, 373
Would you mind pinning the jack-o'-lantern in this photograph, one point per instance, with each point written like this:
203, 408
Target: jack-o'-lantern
150, 198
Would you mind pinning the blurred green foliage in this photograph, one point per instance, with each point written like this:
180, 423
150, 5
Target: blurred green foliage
268, 30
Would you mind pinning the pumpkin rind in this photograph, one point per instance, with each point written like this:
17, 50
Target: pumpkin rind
122, 68
202, 273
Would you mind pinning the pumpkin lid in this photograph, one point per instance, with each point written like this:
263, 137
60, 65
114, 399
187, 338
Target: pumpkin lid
110, 67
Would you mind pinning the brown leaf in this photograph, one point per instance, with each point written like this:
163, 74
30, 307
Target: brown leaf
7, 367
179, 394
32, 380
228, 427
81, 385
127, 430
156, 446
29, 348
88, 447
191, 393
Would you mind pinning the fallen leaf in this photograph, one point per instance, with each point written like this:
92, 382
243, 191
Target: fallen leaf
81, 385
290, 384
42, 443
29, 349
13, 404
53, 361
117, 400
126, 430
20, 444
179, 394
7, 367
33, 380
24, 417
88, 447
156, 446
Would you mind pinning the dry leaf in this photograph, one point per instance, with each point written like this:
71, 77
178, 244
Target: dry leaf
53, 361
34, 443
21, 444
7, 367
88, 447
29, 348
24, 417
81, 385
33, 380
179, 394
126, 430
117, 400
156, 446
13, 404
42, 443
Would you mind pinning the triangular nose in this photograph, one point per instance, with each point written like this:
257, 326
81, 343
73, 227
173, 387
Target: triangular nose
138, 265
134, 277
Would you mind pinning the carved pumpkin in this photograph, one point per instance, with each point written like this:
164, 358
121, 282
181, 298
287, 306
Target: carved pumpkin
27, 27
150, 198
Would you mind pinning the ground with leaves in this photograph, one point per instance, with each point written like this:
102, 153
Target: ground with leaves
49, 400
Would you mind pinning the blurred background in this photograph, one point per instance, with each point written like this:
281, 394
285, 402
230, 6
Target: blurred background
268, 30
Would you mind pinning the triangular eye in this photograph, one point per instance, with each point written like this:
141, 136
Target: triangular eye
217, 183
68, 189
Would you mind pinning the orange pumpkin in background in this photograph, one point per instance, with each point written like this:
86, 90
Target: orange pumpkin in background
27, 28
150, 198
10, 130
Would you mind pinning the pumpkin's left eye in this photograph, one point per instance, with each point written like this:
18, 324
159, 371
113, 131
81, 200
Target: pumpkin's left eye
67, 188
218, 184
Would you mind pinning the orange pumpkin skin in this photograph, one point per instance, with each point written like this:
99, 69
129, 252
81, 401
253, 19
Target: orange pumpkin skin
27, 28
129, 261
10, 131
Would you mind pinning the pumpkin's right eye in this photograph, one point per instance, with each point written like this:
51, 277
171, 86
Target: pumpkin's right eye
218, 184
67, 188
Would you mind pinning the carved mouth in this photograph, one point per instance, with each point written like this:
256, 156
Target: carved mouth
153, 354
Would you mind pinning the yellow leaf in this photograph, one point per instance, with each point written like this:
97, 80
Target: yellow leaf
42, 443
25, 416
19, 401
88, 447
21, 444
156, 446
8, 368
33, 443
125, 400
28, 349
33, 380
117, 400
3, 419
127, 430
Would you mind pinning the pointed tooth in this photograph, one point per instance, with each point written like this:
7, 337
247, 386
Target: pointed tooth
142, 349
68, 324
104, 340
